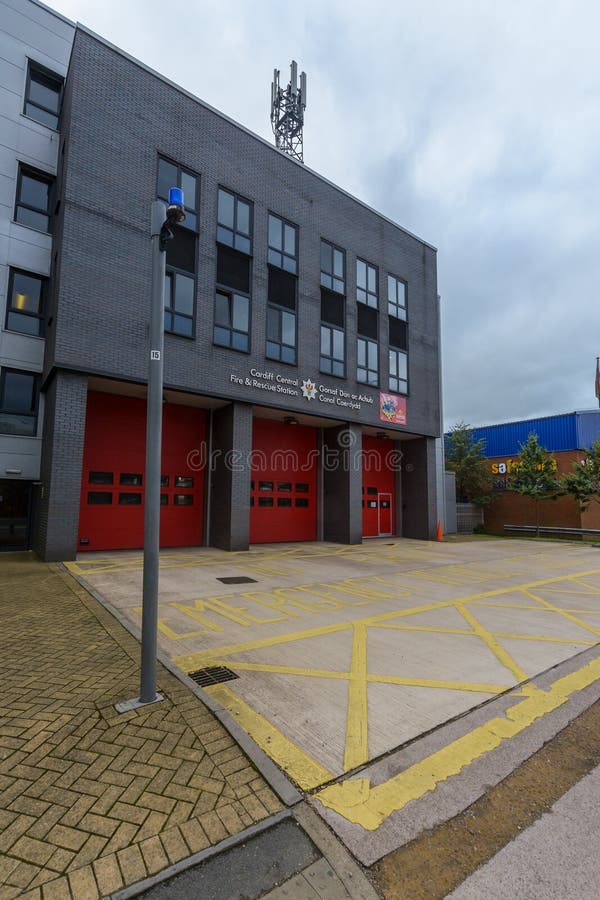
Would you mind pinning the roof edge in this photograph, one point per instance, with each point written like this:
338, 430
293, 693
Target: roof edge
101, 40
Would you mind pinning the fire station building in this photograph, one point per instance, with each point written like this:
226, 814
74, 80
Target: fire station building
301, 355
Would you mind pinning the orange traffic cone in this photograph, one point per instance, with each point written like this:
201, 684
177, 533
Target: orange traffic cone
440, 534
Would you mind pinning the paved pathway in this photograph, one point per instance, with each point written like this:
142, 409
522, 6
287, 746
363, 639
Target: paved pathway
557, 858
90, 800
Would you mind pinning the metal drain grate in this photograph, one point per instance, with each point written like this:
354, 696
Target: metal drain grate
238, 579
212, 675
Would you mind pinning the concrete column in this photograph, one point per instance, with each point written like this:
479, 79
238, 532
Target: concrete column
342, 483
398, 499
230, 483
419, 498
62, 458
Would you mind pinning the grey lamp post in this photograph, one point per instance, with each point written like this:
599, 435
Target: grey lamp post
163, 218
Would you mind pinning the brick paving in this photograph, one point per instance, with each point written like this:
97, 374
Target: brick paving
92, 800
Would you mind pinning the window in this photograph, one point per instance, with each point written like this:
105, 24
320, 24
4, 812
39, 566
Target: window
281, 335
366, 284
367, 369
18, 402
283, 244
43, 94
332, 351
171, 175
398, 371
130, 479
282, 291
99, 498
234, 222
232, 321
396, 297
101, 478
25, 306
398, 334
34, 197
332, 267
179, 303
232, 300
180, 282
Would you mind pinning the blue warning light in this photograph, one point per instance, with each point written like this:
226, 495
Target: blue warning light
175, 197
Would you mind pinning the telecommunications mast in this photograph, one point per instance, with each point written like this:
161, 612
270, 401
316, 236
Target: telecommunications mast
287, 112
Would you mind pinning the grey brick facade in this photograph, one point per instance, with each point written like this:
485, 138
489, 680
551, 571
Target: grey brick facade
118, 118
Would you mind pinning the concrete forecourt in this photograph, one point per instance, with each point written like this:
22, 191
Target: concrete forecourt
354, 668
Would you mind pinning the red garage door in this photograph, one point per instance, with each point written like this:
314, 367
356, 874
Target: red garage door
112, 490
378, 488
283, 497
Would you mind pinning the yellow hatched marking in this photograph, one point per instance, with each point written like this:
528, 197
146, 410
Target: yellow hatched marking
368, 806
357, 743
444, 685
503, 605
539, 637
429, 628
592, 588
305, 771
499, 652
563, 613
190, 661
282, 670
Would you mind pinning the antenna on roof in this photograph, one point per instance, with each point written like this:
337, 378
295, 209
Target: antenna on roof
287, 112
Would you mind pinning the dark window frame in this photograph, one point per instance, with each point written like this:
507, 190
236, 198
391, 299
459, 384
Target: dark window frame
172, 311
280, 311
363, 372
397, 384
327, 361
48, 75
35, 398
187, 207
393, 306
231, 295
328, 278
15, 311
235, 231
45, 178
374, 295
273, 252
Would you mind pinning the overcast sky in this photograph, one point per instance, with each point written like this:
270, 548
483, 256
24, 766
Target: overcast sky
474, 124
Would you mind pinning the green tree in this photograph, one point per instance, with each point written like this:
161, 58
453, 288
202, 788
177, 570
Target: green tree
535, 475
583, 483
464, 457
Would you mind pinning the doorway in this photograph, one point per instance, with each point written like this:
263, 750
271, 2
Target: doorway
14, 514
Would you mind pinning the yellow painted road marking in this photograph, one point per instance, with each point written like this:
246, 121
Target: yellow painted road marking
281, 670
299, 765
563, 612
190, 661
357, 748
499, 652
370, 678
305, 771
539, 637
368, 806
443, 685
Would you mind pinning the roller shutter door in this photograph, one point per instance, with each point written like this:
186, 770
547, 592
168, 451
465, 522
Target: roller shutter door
112, 492
283, 495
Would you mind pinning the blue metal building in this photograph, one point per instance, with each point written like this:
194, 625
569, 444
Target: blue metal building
569, 431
